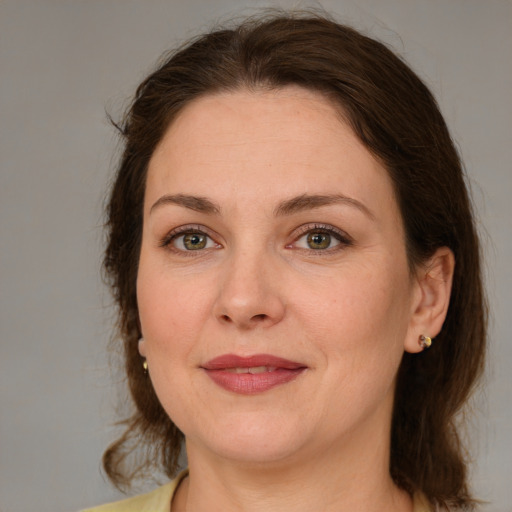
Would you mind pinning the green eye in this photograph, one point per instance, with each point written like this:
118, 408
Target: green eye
194, 241
318, 240
187, 239
321, 238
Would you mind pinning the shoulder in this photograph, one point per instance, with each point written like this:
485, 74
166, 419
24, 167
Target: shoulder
155, 501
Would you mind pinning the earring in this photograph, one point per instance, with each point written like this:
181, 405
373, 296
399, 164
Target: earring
144, 363
424, 341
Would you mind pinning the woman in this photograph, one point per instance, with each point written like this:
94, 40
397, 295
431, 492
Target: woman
293, 253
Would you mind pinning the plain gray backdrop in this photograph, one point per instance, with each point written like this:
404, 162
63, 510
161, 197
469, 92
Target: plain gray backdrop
62, 64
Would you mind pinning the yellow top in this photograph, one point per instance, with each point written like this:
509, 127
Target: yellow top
159, 500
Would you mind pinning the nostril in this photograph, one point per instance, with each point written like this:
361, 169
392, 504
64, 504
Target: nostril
255, 318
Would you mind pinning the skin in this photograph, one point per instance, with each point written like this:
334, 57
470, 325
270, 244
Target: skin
347, 312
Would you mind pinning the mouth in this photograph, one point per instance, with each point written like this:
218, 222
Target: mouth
252, 370
253, 374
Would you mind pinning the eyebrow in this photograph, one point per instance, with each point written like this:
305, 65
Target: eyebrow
287, 207
310, 202
196, 203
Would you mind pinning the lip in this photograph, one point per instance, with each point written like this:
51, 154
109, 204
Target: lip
270, 371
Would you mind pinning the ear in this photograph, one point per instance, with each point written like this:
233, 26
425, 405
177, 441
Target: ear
431, 298
142, 347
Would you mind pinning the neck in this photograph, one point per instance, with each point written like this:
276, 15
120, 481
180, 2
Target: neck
354, 477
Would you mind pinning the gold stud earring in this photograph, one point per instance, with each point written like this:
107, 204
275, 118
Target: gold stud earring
424, 341
144, 363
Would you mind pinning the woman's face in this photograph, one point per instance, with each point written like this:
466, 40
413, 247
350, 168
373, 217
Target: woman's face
274, 292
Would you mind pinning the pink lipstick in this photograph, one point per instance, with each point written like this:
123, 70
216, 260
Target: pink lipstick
253, 374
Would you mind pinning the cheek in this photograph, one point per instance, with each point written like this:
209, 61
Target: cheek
359, 322
359, 300
171, 310
170, 315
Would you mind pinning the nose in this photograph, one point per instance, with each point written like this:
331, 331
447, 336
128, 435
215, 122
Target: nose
250, 294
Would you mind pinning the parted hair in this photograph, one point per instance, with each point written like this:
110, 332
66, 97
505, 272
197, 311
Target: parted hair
397, 119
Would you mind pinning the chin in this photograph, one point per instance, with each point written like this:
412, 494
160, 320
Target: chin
253, 441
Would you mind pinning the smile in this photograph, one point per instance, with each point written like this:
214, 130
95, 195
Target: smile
251, 375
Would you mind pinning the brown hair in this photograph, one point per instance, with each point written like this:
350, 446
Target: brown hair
396, 117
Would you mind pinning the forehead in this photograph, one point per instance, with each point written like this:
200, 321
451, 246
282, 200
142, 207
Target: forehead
264, 144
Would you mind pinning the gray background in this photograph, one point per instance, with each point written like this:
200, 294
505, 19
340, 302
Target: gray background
62, 63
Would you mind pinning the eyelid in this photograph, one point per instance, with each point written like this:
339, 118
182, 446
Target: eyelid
340, 235
166, 241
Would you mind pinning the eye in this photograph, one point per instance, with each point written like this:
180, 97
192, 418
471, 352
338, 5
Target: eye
321, 238
318, 241
192, 242
188, 240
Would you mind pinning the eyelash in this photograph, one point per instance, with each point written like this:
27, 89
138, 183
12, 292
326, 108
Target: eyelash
167, 241
342, 237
